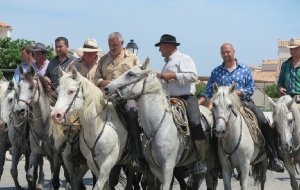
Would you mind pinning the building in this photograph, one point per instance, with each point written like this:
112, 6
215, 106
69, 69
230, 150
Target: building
5, 30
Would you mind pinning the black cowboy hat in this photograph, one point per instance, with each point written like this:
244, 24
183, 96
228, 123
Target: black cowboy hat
40, 47
167, 39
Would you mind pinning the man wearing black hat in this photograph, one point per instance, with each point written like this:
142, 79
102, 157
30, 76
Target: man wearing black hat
179, 75
40, 55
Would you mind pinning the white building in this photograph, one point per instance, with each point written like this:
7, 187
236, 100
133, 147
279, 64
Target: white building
5, 30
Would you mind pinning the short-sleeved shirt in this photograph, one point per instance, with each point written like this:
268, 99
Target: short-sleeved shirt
241, 75
17, 75
289, 77
186, 74
82, 68
107, 70
52, 70
43, 69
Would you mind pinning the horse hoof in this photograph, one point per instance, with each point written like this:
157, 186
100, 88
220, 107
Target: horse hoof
39, 187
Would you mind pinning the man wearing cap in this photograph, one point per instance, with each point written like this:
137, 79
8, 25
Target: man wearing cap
27, 58
112, 65
86, 66
229, 72
289, 77
40, 55
62, 59
179, 75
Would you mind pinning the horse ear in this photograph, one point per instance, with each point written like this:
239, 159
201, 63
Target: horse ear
21, 69
289, 104
146, 64
215, 87
60, 72
272, 103
74, 72
11, 84
232, 88
31, 70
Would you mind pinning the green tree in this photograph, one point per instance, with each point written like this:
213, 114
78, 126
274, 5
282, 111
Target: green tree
200, 87
271, 91
10, 54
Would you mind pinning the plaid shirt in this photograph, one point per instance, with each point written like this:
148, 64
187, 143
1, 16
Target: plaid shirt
241, 75
289, 77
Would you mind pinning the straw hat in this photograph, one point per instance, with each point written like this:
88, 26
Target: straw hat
90, 45
294, 42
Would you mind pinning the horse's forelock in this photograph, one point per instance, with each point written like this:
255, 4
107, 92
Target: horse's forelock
223, 93
281, 110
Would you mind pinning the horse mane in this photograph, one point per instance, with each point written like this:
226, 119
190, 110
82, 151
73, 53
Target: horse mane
280, 110
153, 85
29, 78
224, 92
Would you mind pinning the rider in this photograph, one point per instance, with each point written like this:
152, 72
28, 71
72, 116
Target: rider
179, 75
289, 77
112, 65
86, 66
229, 72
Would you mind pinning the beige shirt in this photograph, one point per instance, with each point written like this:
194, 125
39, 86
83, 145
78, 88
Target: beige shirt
107, 70
82, 68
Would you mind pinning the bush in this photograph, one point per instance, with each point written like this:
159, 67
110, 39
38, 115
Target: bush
10, 54
200, 87
271, 91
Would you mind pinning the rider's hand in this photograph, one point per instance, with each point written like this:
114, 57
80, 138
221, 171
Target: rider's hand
281, 91
168, 76
104, 83
48, 80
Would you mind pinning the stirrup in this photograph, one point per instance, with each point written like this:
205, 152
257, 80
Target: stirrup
276, 165
200, 168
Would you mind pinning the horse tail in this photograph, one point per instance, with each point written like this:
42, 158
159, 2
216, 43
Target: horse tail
258, 173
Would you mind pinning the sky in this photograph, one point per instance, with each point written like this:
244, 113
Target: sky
200, 26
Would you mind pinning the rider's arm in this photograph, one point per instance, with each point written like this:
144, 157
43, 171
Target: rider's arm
247, 88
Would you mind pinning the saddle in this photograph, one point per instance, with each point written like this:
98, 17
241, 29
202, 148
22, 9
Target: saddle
178, 107
253, 126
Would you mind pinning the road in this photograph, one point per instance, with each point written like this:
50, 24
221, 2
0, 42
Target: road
275, 181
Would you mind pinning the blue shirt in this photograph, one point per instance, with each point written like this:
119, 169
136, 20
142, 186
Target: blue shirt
17, 75
241, 75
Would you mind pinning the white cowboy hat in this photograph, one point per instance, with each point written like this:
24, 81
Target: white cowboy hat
294, 42
90, 45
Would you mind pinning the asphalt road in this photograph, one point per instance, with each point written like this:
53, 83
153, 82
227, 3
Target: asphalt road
275, 181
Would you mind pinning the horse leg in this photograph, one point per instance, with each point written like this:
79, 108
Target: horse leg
136, 181
179, 175
288, 164
32, 162
114, 176
130, 175
55, 165
226, 171
41, 176
103, 173
14, 167
244, 174
167, 175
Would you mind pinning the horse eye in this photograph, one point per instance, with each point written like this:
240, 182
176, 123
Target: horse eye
31, 88
71, 92
131, 74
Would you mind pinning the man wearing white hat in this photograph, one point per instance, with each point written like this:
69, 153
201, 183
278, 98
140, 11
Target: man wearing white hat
289, 77
86, 66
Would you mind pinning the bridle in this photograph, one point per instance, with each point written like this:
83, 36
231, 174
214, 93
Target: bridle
37, 88
134, 82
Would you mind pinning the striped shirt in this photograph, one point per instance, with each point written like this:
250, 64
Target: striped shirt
289, 77
241, 75
186, 75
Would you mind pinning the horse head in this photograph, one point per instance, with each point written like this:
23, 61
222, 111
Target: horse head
225, 104
284, 121
132, 84
8, 103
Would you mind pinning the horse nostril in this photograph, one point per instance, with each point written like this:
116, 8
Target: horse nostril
105, 89
223, 131
58, 115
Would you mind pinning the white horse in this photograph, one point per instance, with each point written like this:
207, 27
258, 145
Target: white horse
33, 102
103, 135
286, 119
236, 147
4, 141
164, 146
17, 128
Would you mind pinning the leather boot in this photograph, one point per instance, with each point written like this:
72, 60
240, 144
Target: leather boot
217, 170
200, 167
135, 140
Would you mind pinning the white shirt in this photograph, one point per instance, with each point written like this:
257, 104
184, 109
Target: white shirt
186, 75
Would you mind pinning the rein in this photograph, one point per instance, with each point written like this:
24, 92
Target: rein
37, 88
226, 154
